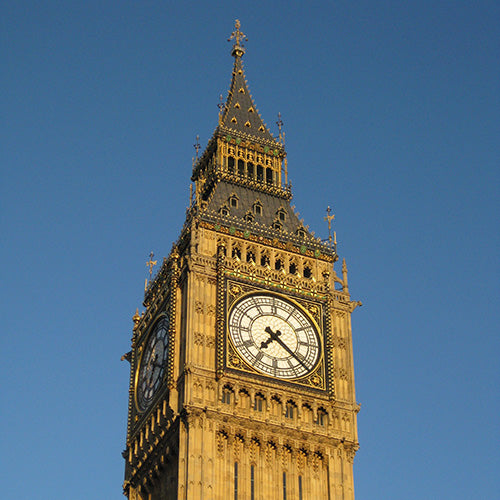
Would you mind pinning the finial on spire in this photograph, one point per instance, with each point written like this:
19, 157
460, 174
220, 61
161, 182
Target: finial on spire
150, 264
329, 218
239, 37
280, 126
221, 105
197, 145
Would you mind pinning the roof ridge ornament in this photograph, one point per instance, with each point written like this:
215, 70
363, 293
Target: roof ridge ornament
239, 37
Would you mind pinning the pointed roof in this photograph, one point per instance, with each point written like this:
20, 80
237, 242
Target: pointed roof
240, 113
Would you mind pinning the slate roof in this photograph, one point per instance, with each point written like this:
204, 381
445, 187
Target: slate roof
246, 201
240, 113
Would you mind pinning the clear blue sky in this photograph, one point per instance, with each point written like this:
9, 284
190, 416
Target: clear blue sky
391, 114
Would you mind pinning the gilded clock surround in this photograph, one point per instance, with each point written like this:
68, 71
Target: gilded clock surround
216, 427
235, 291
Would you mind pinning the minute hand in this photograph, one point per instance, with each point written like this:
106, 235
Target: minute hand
275, 336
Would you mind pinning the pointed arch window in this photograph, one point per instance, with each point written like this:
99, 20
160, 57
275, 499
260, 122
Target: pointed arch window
269, 176
236, 253
322, 417
250, 170
265, 260
260, 173
249, 217
250, 255
227, 394
290, 410
301, 233
277, 225
258, 404
292, 269
224, 210
233, 201
281, 214
257, 208
241, 167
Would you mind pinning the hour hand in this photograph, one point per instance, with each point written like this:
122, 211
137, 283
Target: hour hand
272, 336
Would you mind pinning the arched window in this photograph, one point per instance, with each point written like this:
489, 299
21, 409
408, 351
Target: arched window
233, 201
277, 225
230, 164
301, 233
250, 170
260, 173
250, 255
278, 264
264, 259
224, 210
236, 253
322, 417
290, 410
241, 167
249, 217
244, 401
281, 213
293, 268
257, 208
258, 404
227, 394
307, 272
269, 176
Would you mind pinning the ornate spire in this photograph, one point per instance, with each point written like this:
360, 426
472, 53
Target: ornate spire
239, 115
239, 37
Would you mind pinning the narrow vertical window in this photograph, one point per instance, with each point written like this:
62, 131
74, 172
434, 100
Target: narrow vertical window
300, 487
252, 483
284, 485
235, 480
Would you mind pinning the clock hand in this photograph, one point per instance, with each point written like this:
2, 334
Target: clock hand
275, 336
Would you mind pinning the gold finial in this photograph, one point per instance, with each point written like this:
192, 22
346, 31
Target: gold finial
239, 37
136, 318
221, 107
329, 218
197, 146
151, 263
280, 126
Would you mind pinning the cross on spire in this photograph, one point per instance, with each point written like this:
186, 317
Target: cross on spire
239, 38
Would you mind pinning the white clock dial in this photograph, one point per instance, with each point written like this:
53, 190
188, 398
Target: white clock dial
153, 364
274, 336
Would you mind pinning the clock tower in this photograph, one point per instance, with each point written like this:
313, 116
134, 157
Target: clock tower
242, 379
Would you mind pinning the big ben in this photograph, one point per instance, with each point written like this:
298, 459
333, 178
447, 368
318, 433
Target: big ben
242, 377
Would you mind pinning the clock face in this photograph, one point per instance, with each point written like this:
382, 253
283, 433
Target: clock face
274, 336
153, 364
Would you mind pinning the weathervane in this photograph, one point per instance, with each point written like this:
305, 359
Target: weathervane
239, 37
150, 263
329, 218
